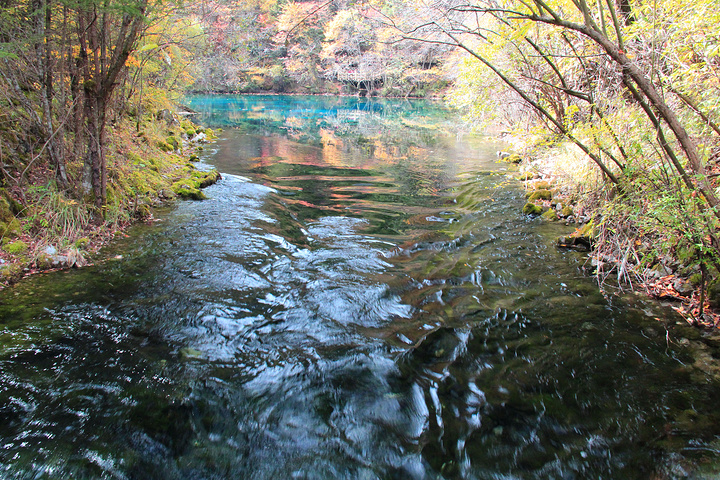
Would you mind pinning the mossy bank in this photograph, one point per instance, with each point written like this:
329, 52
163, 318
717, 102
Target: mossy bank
149, 163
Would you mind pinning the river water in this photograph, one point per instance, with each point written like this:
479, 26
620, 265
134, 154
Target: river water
359, 297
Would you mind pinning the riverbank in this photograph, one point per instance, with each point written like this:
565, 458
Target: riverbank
44, 228
563, 185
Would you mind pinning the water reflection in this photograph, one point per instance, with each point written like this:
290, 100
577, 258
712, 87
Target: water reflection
354, 307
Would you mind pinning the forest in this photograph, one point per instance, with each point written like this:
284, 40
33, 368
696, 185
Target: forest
620, 97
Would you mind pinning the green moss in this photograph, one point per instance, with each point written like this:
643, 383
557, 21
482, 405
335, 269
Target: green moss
43, 261
550, 215
205, 179
190, 187
532, 209
190, 132
514, 158
587, 230
567, 211
187, 188
8, 207
134, 158
525, 176
143, 211
194, 158
10, 229
540, 195
16, 247
164, 146
173, 142
541, 185
10, 272
82, 243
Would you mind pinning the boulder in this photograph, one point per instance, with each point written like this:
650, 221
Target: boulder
550, 215
540, 195
532, 209
167, 116
713, 295
580, 239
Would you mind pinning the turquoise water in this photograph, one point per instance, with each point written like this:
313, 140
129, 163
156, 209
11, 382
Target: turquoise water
359, 297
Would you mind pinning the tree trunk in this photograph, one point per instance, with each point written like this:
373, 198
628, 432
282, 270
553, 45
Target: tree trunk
43, 50
100, 82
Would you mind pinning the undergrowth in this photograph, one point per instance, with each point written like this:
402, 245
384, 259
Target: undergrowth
140, 176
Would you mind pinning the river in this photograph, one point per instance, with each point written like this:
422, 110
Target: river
359, 297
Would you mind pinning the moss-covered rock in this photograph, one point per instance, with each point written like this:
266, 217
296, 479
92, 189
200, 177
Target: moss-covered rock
44, 261
9, 208
173, 142
167, 194
582, 238
15, 248
205, 179
514, 158
135, 159
532, 209
143, 211
550, 215
540, 195
82, 243
10, 272
567, 211
713, 294
188, 188
541, 185
10, 229
525, 176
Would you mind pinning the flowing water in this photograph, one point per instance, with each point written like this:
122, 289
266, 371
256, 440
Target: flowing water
359, 298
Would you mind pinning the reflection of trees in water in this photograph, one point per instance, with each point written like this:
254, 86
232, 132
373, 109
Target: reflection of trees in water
306, 116
410, 137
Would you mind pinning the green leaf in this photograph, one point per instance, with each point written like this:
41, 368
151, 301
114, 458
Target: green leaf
148, 46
